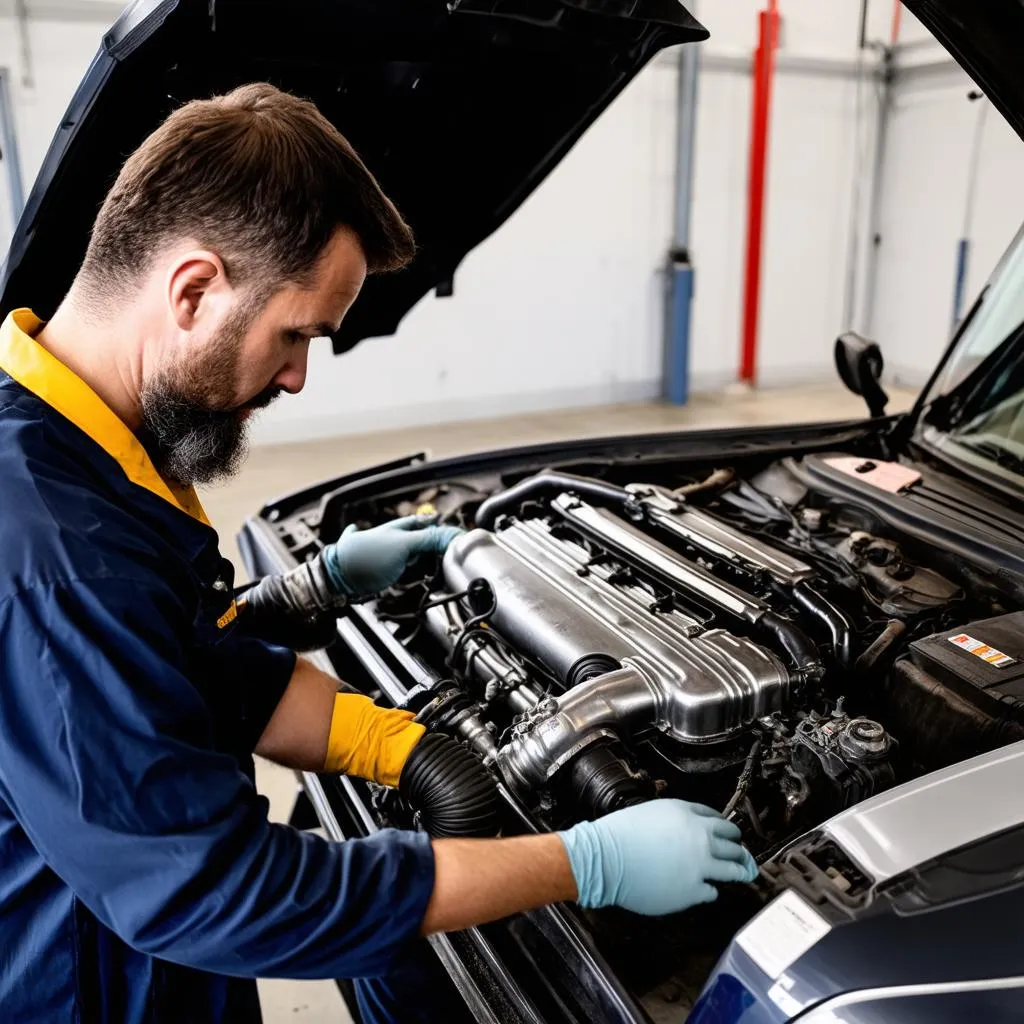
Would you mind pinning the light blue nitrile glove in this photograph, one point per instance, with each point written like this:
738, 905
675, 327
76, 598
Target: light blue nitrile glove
365, 562
656, 858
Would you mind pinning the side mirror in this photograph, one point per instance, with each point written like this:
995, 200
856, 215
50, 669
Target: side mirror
860, 366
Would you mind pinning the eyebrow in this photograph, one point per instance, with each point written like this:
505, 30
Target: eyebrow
320, 330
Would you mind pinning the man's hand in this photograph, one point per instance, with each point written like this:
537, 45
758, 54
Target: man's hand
298, 609
314, 728
366, 562
656, 858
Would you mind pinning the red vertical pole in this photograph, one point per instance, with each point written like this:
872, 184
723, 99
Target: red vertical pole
897, 13
764, 69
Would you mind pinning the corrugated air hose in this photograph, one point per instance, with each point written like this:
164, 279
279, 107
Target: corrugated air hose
450, 788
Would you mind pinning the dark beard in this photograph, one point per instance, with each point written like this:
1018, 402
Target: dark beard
190, 434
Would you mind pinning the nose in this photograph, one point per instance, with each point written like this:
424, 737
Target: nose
292, 376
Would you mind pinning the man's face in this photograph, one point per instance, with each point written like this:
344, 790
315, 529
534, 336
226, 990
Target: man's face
238, 359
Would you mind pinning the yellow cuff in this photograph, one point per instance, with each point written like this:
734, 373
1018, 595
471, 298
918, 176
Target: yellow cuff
370, 742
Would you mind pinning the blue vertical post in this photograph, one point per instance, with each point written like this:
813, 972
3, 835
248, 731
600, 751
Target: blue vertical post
680, 266
677, 350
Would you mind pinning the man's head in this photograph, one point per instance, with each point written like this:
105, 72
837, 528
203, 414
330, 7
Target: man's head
244, 227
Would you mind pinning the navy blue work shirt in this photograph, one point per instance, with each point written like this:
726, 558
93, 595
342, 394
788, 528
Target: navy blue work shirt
140, 880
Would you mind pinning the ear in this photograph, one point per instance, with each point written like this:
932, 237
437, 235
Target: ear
197, 288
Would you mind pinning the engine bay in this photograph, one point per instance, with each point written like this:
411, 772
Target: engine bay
755, 637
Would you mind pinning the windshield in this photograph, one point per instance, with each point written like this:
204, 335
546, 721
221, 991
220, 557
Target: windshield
976, 406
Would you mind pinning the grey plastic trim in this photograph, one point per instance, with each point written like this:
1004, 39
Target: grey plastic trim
897, 830
372, 662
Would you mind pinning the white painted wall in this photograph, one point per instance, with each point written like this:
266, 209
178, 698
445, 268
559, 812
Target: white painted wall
563, 306
60, 51
812, 168
923, 213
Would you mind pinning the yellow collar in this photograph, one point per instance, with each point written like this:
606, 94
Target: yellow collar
47, 377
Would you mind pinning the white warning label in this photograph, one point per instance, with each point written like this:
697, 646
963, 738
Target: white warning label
982, 650
782, 933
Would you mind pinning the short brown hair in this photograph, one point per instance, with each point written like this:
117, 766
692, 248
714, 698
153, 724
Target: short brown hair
260, 177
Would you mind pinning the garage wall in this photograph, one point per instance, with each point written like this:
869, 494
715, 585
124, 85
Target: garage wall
812, 165
564, 305
60, 47
925, 186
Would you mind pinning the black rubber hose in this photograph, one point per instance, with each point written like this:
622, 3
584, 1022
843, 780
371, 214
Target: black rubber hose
598, 782
547, 482
834, 619
880, 646
799, 649
296, 609
453, 792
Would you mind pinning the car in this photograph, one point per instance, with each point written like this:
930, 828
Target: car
816, 629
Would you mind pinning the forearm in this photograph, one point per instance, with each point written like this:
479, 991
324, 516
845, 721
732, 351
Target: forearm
314, 728
481, 880
297, 734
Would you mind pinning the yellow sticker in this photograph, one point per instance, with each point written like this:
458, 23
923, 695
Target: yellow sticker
228, 617
982, 650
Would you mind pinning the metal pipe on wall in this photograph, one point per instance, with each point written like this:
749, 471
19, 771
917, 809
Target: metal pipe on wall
680, 262
963, 247
9, 150
867, 325
897, 16
853, 250
764, 69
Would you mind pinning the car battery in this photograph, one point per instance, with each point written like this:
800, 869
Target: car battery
983, 662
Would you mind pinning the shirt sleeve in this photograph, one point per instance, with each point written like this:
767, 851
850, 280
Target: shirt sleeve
259, 673
108, 763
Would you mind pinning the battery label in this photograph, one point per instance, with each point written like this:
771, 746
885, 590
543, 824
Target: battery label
981, 650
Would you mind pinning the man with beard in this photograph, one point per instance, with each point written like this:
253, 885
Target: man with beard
140, 879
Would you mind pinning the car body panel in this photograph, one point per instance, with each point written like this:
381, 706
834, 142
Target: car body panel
904, 827
984, 38
879, 947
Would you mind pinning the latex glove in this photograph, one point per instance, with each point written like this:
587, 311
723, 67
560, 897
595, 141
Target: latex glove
368, 741
366, 562
656, 858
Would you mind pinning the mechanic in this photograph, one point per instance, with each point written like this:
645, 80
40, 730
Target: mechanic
140, 878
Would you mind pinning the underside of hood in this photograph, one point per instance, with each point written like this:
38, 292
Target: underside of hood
985, 37
460, 109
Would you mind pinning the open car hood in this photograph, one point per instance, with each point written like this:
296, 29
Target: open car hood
459, 108
984, 37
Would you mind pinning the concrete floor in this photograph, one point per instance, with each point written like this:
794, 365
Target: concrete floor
275, 470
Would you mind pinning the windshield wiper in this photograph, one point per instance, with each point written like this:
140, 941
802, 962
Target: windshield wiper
994, 452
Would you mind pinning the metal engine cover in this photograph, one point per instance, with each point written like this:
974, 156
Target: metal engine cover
563, 611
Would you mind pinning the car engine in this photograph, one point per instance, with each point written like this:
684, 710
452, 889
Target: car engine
738, 638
